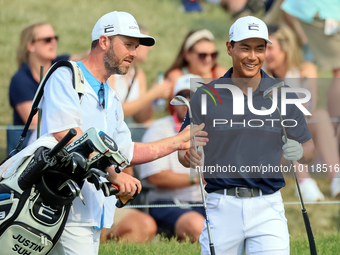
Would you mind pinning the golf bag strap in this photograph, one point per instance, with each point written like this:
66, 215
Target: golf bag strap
78, 82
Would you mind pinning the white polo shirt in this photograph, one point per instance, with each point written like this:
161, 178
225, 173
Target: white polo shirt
164, 128
62, 110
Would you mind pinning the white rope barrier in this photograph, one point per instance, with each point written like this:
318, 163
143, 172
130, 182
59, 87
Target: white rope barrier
201, 205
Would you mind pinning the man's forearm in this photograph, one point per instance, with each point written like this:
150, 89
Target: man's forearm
146, 152
308, 152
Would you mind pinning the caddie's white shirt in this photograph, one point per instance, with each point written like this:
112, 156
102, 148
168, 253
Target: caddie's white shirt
164, 128
61, 111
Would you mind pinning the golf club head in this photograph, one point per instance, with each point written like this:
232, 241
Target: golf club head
80, 160
70, 186
269, 92
180, 100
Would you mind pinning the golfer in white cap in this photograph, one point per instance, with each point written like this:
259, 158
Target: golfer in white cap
244, 206
115, 38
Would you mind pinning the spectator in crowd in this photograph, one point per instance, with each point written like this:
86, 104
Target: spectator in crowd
239, 8
132, 88
173, 182
320, 21
273, 15
284, 62
132, 91
37, 47
197, 56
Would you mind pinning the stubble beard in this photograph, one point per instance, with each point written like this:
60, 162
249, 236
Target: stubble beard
112, 63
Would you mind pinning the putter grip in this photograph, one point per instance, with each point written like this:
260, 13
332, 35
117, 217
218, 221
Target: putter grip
212, 249
71, 133
310, 235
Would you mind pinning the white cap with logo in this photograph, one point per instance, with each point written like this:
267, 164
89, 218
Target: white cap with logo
120, 23
183, 83
248, 27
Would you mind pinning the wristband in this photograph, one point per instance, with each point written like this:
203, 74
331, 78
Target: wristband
192, 181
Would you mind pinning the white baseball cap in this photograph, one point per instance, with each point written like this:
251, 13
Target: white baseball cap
120, 23
248, 27
183, 83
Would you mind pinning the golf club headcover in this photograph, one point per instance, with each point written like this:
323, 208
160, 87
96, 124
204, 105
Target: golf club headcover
108, 151
33, 172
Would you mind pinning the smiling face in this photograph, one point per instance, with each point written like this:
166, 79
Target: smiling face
248, 57
44, 44
201, 58
275, 57
119, 56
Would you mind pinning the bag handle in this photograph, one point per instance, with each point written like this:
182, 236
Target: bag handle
78, 85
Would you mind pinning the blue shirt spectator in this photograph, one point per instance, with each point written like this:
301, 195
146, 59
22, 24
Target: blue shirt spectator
23, 87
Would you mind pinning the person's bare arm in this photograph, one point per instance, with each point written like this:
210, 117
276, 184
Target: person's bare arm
24, 110
145, 113
167, 179
308, 152
309, 72
60, 135
146, 152
295, 25
173, 76
133, 107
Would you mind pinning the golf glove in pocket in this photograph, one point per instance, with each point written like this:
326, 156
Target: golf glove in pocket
293, 149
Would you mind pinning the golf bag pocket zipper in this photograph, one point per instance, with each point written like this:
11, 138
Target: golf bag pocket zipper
7, 207
23, 239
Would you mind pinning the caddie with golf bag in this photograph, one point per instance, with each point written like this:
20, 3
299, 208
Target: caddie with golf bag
36, 197
40, 183
247, 138
77, 171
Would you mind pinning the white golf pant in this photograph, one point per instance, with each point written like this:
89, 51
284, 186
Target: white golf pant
78, 241
256, 225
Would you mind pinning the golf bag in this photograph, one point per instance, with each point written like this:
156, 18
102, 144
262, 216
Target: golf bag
35, 199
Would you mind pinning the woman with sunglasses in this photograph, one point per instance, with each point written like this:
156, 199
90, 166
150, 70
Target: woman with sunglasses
284, 61
37, 47
197, 56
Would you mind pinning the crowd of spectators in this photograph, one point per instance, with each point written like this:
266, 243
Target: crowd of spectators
305, 36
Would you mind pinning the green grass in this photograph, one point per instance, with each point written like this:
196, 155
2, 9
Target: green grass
326, 245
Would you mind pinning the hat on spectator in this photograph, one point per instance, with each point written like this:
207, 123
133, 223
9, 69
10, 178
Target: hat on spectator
196, 36
120, 23
248, 27
183, 83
